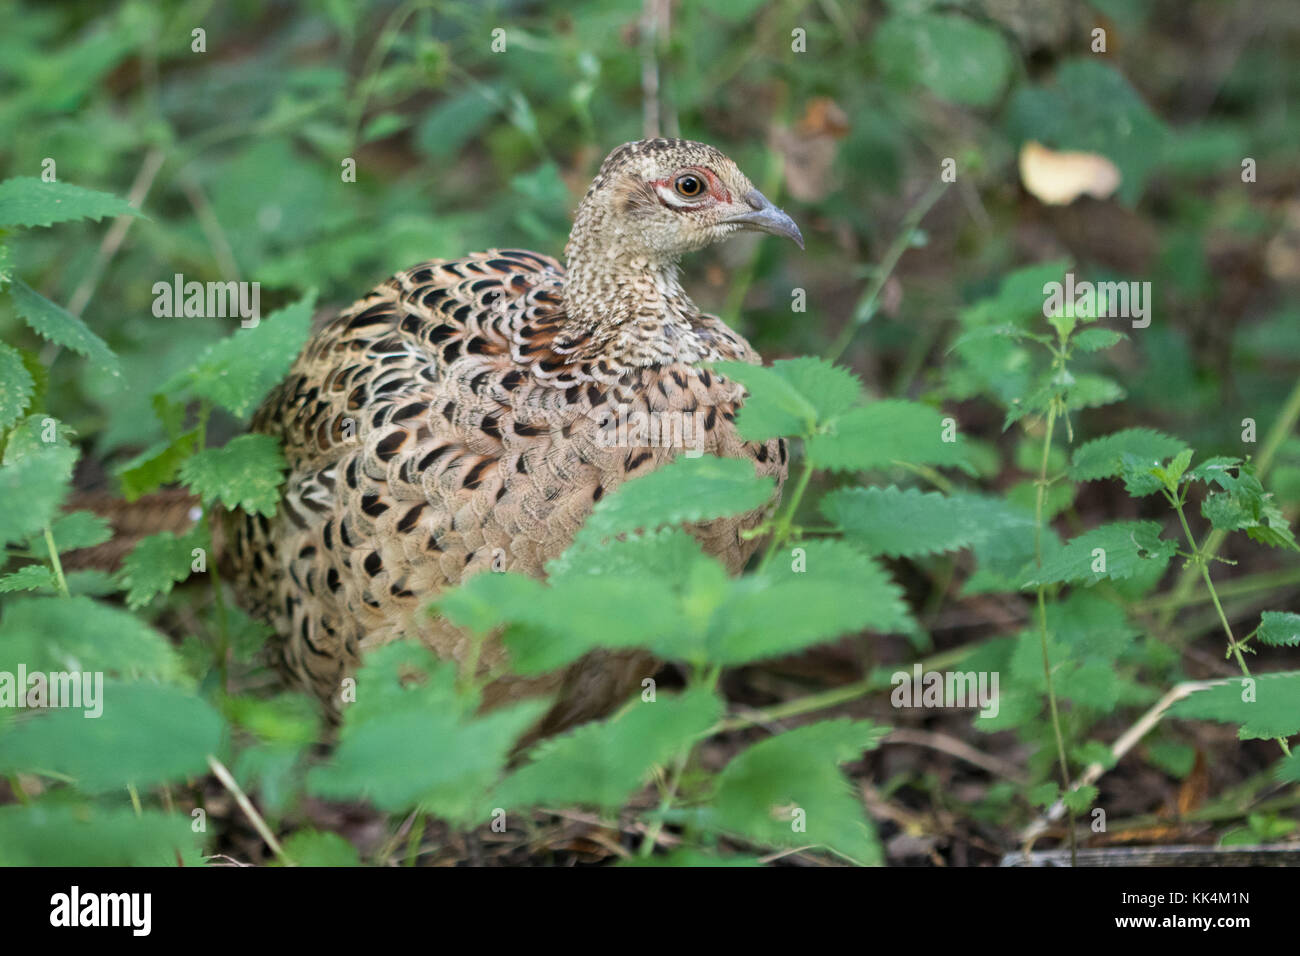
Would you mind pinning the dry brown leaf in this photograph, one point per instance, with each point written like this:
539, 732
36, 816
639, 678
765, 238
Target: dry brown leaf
810, 147
1058, 179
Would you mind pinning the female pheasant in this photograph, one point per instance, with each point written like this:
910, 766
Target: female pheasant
449, 423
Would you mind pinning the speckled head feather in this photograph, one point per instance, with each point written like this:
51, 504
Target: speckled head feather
652, 202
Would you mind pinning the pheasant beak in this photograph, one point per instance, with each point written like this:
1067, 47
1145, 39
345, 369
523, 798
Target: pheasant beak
765, 217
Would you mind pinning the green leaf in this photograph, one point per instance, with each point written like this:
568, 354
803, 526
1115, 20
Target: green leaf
686, 490
1080, 799
238, 371
885, 432
245, 473
411, 740
825, 592
448, 126
34, 577
1094, 340
602, 763
78, 633
80, 835
1279, 629
314, 848
32, 489
156, 465
959, 60
1113, 551
1264, 705
1243, 505
159, 562
16, 386
53, 322
27, 201
73, 530
1092, 391
1044, 795
792, 396
788, 791
902, 523
1019, 299
1089, 626
146, 734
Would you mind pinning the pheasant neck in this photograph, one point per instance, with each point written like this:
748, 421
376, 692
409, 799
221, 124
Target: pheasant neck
629, 310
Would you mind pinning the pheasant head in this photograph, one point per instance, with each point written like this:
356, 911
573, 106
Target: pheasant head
652, 202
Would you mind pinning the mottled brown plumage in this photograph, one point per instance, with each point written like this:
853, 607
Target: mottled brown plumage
449, 423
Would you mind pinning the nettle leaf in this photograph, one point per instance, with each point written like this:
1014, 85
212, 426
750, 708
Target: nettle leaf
238, 371
823, 590
1288, 769
1279, 629
788, 791
79, 633
411, 740
52, 321
76, 529
885, 432
1020, 297
1006, 544
1089, 626
553, 626
601, 764
16, 386
1092, 391
662, 593
34, 577
686, 490
28, 201
32, 488
792, 396
1243, 505
1113, 551
1095, 340
61, 834
156, 465
901, 523
146, 734
159, 562
1264, 705
316, 848
1080, 799
245, 473
1141, 476
1087, 682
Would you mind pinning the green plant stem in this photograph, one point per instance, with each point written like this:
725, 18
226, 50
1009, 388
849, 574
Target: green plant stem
1246, 584
866, 306
785, 521
1282, 428
1201, 561
877, 680
413, 840
1042, 619
218, 598
56, 563
710, 679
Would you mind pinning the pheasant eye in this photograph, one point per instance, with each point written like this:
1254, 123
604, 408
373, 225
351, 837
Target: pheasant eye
689, 186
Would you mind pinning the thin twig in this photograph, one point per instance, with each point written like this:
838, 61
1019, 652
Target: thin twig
228, 781
1126, 741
